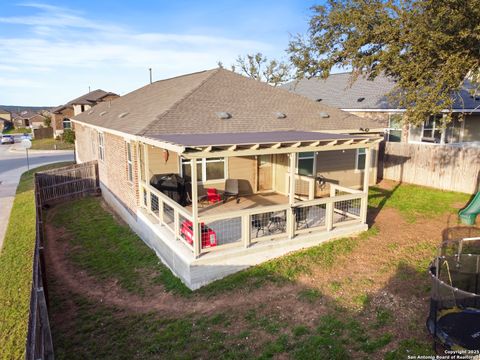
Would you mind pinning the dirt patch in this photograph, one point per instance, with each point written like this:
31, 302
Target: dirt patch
387, 184
157, 299
382, 272
368, 269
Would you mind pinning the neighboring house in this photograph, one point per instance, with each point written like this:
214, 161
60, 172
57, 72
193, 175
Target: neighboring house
5, 115
61, 114
5, 118
28, 119
296, 166
368, 98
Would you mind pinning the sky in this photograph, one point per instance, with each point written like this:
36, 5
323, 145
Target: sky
52, 52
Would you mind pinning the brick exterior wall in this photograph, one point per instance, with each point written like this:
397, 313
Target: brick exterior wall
57, 120
113, 170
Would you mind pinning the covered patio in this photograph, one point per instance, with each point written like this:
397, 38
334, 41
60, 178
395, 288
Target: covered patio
290, 207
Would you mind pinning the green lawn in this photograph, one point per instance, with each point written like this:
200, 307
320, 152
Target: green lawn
416, 201
18, 131
16, 259
109, 250
51, 144
107, 333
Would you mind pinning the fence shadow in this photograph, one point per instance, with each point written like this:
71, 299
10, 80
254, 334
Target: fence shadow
385, 195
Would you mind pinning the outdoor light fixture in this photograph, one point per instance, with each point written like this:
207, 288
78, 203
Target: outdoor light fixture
280, 115
360, 99
324, 115
224, 115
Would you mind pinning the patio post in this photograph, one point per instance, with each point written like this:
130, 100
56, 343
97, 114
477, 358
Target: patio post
291, 195
197, 244
366, 183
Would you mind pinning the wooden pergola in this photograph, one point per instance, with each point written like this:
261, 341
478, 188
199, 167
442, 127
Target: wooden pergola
198, 146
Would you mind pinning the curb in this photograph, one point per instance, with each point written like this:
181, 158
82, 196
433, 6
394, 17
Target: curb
59, 152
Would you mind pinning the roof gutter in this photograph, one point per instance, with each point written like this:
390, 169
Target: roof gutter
168, 146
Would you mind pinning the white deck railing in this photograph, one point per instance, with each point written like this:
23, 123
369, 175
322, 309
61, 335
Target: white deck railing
241, 228
168, 213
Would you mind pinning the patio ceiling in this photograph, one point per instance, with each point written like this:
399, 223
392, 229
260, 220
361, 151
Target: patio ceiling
259, 143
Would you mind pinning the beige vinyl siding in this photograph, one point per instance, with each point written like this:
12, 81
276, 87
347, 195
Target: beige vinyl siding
6, 116
281, 169
243, 168
339, 167
157, 163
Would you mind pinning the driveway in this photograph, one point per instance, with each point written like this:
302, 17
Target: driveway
12, 165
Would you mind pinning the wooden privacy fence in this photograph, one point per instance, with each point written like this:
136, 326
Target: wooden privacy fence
39, 338
68, 181
443, 167
51, 185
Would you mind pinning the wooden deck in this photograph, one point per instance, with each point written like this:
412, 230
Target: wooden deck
246, 202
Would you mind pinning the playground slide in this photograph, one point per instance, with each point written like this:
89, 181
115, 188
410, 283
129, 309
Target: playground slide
469, 214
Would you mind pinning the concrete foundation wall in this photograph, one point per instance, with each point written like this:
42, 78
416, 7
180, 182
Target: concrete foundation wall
195, 273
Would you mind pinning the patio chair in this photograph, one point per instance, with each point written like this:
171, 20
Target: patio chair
261, 222
213, 196
231, 190
301, 216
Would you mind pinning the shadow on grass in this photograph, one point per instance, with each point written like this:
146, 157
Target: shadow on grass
380, 324
378, 193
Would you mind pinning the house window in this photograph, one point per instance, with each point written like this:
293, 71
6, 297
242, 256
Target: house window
67, 124
129, 162
141, 155
432, 129
207, 169
360, 161
306, 163
394, 131
82, 108
101, 146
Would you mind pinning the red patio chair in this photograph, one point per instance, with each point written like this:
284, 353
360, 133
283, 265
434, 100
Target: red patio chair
213, 196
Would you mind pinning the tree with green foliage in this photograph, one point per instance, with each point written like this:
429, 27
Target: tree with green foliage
259, 67
68, 136
47, 120
429, 47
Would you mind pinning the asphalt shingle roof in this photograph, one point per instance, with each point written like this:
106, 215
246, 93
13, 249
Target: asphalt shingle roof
338, 91
90, 98
190, 104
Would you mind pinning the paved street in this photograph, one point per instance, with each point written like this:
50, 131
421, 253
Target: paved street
12, 165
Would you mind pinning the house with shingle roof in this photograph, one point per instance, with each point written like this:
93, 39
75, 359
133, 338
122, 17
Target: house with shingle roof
61, 115
217, 172
28, 118
5, 118
369, 98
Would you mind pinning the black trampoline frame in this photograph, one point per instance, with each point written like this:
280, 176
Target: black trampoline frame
462, 300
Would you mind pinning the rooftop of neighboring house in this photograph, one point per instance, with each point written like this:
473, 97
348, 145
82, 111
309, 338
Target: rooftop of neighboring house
90, 98
338, 90
217, 101
3, 111
26, 114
